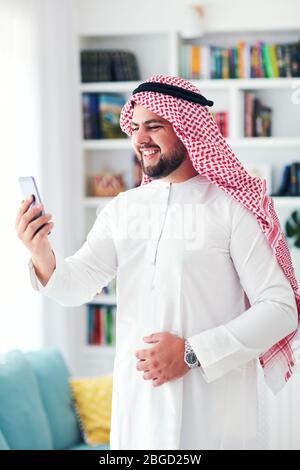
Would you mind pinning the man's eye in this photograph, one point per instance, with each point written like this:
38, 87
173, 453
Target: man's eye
149, 128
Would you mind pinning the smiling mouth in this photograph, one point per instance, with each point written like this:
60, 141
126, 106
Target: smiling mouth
149, 154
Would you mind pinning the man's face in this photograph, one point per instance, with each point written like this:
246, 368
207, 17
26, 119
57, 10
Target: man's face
157, 146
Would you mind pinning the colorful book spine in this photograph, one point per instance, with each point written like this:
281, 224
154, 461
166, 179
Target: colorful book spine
110, 106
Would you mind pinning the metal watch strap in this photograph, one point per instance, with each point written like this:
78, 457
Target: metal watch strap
189, 350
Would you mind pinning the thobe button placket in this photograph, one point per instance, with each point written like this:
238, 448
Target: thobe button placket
154, 248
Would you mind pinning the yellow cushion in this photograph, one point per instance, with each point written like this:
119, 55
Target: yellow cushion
92, 398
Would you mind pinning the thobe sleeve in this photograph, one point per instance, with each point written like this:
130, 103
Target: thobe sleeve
273, 312
78, 278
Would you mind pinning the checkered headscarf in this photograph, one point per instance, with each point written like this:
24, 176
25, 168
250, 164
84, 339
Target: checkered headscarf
212, 157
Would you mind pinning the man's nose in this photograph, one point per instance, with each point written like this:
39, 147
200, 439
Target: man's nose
141, 136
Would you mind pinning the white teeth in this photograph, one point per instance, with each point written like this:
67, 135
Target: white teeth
149, 152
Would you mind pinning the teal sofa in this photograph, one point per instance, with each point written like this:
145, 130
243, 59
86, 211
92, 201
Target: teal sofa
36, 406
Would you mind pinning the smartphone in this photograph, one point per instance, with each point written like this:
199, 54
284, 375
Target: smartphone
29, 187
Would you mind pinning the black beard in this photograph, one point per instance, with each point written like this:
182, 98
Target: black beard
166, 164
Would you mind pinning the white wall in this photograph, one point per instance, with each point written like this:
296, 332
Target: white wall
20, 314
94, 16
60, 137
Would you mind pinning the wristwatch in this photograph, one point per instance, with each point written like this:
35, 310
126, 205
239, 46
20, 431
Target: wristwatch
190, 357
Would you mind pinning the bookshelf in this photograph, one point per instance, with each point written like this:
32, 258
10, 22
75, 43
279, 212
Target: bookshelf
159, 53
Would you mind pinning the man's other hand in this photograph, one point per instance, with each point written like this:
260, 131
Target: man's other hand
164, 361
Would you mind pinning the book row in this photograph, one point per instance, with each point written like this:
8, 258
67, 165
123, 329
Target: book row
101, 322
108, 66
290, 180
257, 117
101, 115
260, 60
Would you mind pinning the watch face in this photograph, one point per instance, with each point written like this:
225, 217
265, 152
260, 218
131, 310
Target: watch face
191, 358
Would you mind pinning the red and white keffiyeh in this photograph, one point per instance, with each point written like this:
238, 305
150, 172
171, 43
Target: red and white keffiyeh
212, 157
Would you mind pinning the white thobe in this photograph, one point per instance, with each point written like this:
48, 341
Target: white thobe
188, 258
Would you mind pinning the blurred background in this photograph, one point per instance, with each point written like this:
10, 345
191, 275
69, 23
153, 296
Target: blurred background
67, 67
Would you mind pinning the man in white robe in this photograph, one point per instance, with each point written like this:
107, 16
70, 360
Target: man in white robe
194, 270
